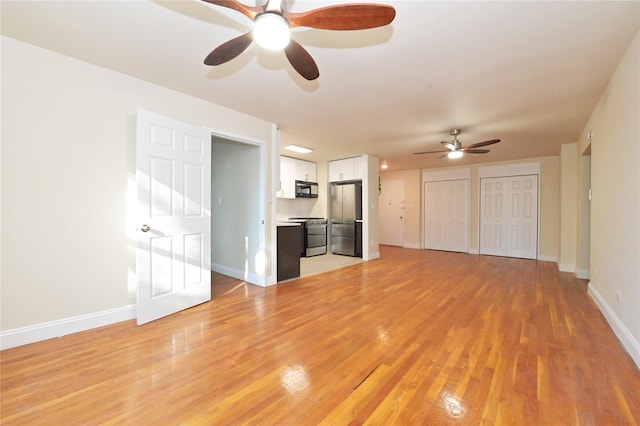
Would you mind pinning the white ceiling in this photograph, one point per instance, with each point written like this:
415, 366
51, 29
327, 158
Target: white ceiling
528, 73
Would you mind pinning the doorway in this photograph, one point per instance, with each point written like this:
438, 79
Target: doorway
509, 210
237, 210
174, 179
446, 210
391, 209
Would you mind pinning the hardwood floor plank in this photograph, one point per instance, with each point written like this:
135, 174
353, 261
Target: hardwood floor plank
416, 337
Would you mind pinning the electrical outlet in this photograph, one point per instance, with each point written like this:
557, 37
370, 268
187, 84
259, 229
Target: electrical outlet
619, 296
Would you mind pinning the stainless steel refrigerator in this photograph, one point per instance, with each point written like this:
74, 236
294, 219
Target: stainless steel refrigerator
346, 218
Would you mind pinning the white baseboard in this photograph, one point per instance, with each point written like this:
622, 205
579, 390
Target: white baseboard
238, 274
58, 328
583, 274
474, 251
620, 330
566, 267
373, 256
411, 245
544, 258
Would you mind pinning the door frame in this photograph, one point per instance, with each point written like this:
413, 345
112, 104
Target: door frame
264, 279
402, 208
509, 170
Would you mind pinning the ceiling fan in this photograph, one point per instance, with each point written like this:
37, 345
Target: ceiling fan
272, 24
454, 149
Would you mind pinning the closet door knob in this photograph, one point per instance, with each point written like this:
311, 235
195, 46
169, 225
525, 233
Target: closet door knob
145, 228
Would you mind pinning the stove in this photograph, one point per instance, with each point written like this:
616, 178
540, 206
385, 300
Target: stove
310, 220
313, 235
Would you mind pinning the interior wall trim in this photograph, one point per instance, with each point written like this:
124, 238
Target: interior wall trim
627, 339
411, 245
62, 327
553, 259
239, 274
567, 267
583, 274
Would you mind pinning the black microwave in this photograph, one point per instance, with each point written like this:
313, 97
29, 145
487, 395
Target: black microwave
306, 189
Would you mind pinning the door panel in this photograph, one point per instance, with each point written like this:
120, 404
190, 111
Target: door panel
343, 245
174, 192
336, 203
349, 203
524, 218
514, 234
391, 208
493, 238
447, 215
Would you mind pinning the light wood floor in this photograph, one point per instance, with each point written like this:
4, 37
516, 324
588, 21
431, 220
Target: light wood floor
417, 337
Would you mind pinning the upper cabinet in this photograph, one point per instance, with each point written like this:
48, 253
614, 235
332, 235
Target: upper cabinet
346, 169
305, 170
287, 181
291, 170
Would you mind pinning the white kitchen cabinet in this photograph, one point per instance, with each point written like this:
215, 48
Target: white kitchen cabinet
346, 169
287, 178
291, 170
306, 171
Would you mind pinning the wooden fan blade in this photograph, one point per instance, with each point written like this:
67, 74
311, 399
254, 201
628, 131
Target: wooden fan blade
432, 152
476, 151
229, 50
343, 17
248, 11
448, 145
479, 144
301, 61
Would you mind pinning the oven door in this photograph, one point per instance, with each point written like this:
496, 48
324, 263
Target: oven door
316, 239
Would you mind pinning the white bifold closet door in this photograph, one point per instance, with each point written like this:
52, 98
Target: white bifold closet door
447, 215
509, 216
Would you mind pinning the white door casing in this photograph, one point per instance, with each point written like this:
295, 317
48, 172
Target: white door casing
173, 257
391, 208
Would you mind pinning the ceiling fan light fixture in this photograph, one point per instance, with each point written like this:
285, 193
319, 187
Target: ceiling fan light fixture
271, 31
455, 154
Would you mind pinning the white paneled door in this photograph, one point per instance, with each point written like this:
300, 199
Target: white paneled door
509, 216
391, 207
447, 215
173, 256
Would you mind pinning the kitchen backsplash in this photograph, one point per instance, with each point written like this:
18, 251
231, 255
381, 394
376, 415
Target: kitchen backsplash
300, 207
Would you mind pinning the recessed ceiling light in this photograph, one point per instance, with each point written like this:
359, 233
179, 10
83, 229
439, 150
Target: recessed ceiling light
299, 149
384, 166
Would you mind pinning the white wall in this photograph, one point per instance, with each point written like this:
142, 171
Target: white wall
68, 162
583, 243
549, 203
568, 207
370, 219
413, 204
615, 207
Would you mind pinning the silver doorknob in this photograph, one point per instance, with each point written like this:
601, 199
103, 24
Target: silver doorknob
145, 228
